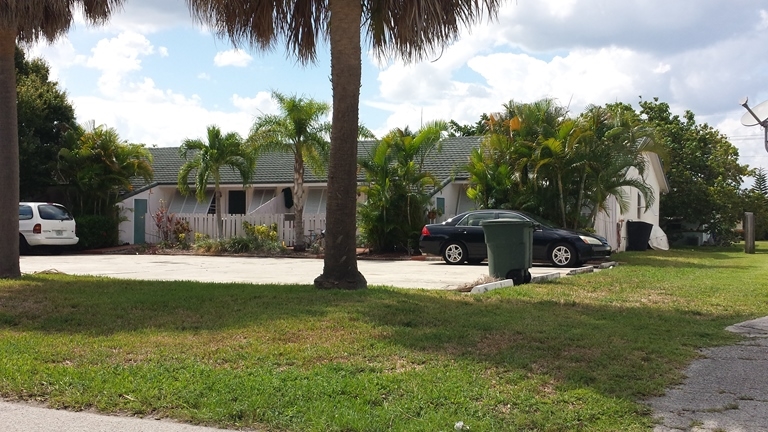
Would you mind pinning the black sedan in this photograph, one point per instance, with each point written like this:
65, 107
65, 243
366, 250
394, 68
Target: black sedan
461, 239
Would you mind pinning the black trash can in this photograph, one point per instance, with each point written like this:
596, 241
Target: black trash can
510, 249
638, 234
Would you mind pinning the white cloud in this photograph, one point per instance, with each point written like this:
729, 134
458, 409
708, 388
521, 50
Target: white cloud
163, 51
116, 57
204, 76
233, 57
262, 103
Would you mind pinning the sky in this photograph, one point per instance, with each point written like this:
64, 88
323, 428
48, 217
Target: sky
158, 77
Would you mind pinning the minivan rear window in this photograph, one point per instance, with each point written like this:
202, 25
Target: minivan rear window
53, 212
25, 212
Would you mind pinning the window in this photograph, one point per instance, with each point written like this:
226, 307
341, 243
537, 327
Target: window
510, 215
440, 204
315, 201
474, 219
53, 212
260, 197
189, 204
25, 212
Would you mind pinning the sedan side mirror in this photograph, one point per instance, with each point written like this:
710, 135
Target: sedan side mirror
536, 226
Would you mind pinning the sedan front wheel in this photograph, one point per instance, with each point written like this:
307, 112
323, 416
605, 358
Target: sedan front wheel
563, 255
454, 253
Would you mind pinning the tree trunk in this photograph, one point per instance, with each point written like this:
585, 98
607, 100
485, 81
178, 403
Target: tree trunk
9, 159
219, 221
298, 201
340, 266
562, 200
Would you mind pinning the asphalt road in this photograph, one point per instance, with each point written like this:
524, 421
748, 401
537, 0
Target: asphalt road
404, 273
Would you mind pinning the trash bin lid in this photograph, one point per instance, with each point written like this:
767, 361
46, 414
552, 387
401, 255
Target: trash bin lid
506, 222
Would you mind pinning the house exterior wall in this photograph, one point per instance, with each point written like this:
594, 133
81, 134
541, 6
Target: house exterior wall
127, 207
613, 225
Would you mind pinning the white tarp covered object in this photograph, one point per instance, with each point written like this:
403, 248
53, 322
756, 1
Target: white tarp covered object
658, 239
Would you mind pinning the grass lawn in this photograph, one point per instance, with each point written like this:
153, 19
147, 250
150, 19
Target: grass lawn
580, 353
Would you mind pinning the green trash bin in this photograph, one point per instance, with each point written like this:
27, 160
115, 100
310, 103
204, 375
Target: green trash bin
510, 248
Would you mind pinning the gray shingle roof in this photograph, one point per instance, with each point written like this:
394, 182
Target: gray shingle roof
278, 167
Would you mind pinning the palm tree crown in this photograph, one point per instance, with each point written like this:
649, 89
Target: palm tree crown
299, 129
208, 158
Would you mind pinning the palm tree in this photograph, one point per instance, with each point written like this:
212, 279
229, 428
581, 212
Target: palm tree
97, 166
26, 21
411, 29
208, 158
298, 129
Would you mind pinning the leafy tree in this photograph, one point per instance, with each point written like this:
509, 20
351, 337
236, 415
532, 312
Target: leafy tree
208, 158
761, 181
26, 22
96, 166
299, 129
44, 115
411, 30
396, 187
704, 174
478, 129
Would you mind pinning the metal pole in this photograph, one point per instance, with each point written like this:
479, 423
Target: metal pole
749, 232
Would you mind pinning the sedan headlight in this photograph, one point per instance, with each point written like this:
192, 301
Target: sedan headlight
590, 240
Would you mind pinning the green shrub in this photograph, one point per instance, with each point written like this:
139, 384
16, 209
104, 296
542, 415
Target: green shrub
97, 232
258, 238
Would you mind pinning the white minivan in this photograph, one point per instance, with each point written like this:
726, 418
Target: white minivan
45, 224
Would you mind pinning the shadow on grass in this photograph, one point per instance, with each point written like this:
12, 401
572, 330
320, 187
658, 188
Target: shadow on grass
603, 347
681, 259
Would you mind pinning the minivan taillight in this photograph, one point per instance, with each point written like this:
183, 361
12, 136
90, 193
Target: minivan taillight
425, 231
37, 229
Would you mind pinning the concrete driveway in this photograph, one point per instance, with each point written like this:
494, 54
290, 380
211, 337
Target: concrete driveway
404, 274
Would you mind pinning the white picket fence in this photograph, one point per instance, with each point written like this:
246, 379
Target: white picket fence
233, 224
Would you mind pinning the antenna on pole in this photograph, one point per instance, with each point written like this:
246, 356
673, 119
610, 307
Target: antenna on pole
757, 116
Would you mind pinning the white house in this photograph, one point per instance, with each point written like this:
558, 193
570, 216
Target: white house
267, 199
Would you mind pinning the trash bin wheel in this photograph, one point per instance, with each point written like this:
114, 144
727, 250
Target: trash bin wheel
454, 253
519, 276
563, 255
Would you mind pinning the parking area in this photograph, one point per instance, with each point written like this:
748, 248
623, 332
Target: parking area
404, 274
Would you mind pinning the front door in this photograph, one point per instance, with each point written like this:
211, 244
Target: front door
139, 221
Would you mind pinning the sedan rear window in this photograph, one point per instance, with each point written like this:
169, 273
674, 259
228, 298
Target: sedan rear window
53, 212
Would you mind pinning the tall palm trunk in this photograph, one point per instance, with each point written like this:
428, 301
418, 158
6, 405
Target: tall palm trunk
9, 159
562, 199
340, 266
298, 200
219, 221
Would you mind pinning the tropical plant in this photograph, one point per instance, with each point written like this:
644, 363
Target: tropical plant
96, 166
411, 30
299, 129
397, 187
208, 158
26, 22
536, 158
